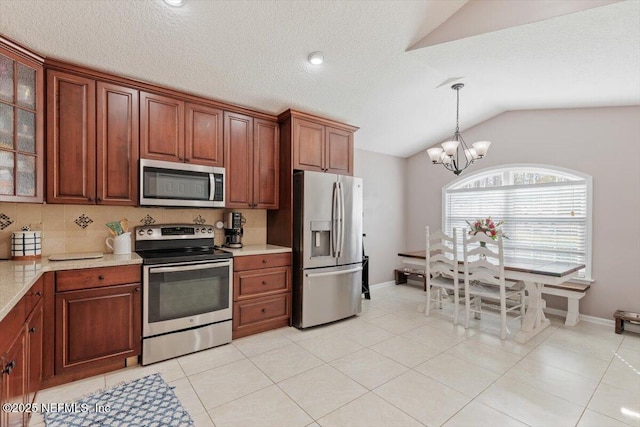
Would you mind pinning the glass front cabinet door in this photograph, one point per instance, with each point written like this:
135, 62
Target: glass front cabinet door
21, 124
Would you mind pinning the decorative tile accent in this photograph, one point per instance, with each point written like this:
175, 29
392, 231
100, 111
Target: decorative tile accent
199, 220
5, 221
83, 221
148, 220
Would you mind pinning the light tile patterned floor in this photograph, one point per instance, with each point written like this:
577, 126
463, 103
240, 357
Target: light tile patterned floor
391, 366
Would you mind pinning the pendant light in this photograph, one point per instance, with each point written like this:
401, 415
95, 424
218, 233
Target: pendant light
455, 155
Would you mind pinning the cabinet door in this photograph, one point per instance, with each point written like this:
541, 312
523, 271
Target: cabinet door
266, 164
117, 145
161, 127
14, 380
98, 326
238, 137
308, 145
204, 144
21, 128
35, 327
71, 144
339, 151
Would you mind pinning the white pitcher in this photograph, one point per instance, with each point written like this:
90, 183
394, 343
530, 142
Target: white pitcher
121, 244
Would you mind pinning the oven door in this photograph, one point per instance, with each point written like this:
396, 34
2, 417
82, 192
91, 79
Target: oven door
186, 295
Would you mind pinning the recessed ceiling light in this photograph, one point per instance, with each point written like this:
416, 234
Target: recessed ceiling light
316, 58
174, 3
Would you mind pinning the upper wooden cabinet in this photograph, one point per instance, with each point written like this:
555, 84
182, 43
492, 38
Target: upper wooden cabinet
178, 131
92, 158
320, 145
252, 165
21, 124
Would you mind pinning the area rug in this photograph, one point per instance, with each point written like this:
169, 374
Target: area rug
147, 401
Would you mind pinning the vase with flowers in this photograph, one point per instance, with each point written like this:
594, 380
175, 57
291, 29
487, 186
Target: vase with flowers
486, 226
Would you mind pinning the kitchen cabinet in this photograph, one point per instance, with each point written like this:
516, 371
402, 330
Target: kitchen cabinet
321, 148
21, 124
252, 166
177, 131
92, 141
307, 142
261, 293
21, 340
97, 318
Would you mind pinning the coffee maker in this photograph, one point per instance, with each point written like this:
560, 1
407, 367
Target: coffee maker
233, 231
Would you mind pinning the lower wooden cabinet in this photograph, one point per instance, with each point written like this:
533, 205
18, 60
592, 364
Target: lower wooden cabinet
261, 293
97, 326
21, 338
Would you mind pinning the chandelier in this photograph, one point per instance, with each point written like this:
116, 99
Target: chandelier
455, 155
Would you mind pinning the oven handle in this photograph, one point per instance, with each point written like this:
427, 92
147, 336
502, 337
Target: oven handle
187, 267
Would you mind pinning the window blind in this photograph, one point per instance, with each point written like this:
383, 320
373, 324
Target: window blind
543, 222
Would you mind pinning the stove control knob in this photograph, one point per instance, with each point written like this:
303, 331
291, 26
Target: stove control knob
210, 230
141, 232
149, 232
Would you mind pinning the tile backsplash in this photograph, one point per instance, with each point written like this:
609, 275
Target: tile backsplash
81, 228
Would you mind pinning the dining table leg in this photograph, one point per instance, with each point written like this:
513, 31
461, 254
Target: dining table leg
534, 319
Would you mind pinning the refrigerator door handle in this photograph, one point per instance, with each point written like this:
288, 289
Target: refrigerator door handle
334, 221
335, 273
341, 220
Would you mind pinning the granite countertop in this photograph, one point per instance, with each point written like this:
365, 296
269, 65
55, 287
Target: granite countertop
257, 250
17, 277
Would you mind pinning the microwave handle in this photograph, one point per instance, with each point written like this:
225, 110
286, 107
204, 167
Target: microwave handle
212, 186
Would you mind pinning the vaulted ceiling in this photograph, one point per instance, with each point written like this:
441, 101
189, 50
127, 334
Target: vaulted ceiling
380, 72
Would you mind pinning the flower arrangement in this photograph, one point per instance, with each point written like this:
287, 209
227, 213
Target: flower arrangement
486, 226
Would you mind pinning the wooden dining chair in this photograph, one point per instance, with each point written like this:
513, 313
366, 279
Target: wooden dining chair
441, 270
484, 279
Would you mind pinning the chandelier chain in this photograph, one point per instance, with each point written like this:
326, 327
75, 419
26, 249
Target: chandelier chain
457, 111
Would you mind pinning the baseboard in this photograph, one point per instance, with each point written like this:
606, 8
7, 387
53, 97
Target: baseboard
583, 317
382, 285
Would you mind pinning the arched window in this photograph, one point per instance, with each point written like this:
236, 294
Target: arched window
546, 211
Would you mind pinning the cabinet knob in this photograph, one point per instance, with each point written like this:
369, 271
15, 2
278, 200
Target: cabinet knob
186, 160
181, 159
264, 310
137, 289
101, 277
90, 199
9, 367
32, 330
264, 261
98, 199
264, 282
38, 294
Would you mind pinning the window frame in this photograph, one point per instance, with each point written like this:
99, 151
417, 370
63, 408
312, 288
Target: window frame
508, 170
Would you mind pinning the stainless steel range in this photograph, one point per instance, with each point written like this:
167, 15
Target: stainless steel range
187, 290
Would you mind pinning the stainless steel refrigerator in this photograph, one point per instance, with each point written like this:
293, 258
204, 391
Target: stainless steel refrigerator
327, 248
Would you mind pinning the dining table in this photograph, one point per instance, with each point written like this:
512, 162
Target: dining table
535, 275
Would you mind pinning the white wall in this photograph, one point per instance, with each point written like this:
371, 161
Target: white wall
601, 142
384, 180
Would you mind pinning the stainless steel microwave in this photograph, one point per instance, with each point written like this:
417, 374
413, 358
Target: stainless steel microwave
179, 184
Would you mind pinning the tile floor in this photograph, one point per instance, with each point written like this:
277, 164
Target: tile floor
391, 366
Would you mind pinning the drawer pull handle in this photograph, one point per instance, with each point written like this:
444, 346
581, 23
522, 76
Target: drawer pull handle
38, 293
264, 282
264, 310
32, 330
101, 277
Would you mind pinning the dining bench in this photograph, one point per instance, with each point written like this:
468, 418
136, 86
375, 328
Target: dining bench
574, 293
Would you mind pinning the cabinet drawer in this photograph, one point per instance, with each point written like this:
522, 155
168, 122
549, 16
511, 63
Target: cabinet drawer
72, 280
254, 283
258, 310
252, 262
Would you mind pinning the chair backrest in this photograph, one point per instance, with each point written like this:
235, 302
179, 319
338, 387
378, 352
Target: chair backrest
483, 259
441, 255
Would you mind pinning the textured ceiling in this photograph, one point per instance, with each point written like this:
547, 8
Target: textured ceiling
253, 53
